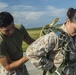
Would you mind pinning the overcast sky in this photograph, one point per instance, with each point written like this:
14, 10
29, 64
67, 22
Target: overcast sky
37, 13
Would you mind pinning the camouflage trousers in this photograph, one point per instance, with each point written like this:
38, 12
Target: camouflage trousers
21, 71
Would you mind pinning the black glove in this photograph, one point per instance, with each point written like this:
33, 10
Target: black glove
52, 69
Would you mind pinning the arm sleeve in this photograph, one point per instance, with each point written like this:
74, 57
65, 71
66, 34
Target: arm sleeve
37, 51
23, 29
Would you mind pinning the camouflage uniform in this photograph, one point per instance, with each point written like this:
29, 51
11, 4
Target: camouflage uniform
49, 52
4, 72
21, 71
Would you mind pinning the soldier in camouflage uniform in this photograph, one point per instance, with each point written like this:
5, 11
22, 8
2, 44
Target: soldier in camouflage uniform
52, 51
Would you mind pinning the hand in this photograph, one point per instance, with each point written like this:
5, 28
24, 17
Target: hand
25, 58
52, 69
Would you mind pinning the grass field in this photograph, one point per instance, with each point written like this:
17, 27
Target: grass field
34, 33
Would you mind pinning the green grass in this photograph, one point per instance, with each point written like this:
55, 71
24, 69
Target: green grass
34, 33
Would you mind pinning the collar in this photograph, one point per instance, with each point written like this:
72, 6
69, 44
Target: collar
63, 27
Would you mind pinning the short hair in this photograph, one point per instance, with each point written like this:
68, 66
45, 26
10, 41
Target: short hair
71, 13
5, 19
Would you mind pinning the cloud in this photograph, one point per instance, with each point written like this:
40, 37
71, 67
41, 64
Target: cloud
3, 6
56, 11
47, 1
27, 17
32, 14
22, 7
29, 13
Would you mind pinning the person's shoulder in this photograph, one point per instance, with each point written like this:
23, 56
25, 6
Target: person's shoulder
1, 40
18, 26
1, 37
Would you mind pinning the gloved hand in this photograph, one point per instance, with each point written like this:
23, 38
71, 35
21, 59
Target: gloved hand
52, 69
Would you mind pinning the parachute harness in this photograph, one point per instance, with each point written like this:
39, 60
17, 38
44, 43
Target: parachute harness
48, 26
42, 32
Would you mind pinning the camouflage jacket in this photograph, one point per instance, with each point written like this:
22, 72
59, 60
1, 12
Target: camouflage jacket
47, 50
